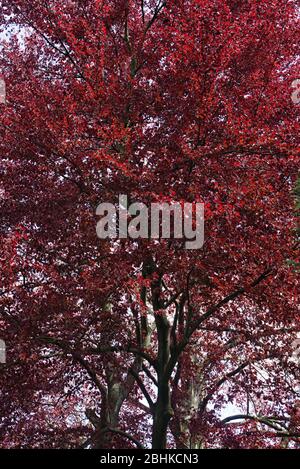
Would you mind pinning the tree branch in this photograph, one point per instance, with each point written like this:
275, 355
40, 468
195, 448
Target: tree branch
143, 389
264, 420
125, 435
232, 296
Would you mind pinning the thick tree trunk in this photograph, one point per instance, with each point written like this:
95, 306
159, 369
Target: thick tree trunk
192, 394
163, 408
162, 415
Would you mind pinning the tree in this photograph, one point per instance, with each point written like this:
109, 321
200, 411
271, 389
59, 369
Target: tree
134, 343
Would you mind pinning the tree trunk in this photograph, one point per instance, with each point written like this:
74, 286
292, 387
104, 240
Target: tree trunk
162, 415
163, 408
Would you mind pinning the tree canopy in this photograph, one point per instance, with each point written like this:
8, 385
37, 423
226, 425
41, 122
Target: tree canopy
143, 343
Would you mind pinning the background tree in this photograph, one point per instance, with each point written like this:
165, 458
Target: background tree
129, 343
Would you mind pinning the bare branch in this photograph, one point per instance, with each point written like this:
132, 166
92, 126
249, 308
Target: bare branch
158, 9
263, 420
143, 389
232, 296
125, 435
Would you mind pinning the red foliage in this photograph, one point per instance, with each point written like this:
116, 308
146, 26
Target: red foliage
108, 344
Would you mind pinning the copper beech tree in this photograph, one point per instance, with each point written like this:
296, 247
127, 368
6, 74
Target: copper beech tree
143, 343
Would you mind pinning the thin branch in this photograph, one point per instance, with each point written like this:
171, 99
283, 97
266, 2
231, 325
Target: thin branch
189, 331
158, 9
143, 389
232, 296
150, 375
111, 349
125, 435
139, 405
220, 382
78, 358
172, 299
263, 420
143, 11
